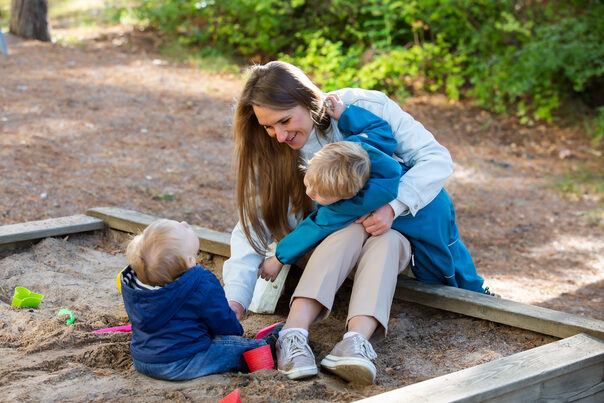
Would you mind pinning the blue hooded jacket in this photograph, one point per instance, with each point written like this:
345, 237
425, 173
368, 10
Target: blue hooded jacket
180, 319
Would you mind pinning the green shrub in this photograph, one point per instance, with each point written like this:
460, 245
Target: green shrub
519, 56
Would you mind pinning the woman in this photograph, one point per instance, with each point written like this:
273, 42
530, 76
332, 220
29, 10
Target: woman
280, 120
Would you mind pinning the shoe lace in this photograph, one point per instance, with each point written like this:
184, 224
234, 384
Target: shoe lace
295, 346
365, 348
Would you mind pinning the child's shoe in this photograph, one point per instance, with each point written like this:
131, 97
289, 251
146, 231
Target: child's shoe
351, 359
294, 356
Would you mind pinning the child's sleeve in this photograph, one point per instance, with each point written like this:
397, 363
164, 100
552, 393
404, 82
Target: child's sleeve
216, 313
377, 132
312, 230
380, 189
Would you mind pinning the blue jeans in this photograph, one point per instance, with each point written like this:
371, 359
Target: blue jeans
224, 354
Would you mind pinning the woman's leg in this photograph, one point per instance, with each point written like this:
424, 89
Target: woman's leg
382, 259
329, 265
326, 270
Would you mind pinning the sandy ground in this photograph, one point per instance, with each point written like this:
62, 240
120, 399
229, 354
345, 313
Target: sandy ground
43, 359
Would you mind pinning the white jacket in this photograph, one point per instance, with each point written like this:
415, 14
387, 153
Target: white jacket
430, 165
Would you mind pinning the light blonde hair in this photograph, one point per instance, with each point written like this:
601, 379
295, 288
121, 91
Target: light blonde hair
157, 255
267, 173
338, 170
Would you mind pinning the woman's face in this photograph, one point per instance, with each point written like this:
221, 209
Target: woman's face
290, 126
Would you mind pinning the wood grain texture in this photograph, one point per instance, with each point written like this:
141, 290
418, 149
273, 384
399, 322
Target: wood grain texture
500, 310
566, 370
13, 233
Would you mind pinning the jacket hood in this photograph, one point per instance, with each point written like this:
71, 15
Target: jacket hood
154, 308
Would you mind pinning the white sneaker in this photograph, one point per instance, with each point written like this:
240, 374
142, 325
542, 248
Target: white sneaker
294, 356
350, 359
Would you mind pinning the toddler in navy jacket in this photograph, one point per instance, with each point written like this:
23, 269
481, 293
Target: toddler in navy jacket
182, 325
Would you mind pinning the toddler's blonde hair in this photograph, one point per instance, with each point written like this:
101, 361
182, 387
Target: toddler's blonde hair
338, 169
157, 255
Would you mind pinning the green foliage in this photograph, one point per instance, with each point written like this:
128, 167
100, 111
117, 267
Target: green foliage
595, 125
519, 56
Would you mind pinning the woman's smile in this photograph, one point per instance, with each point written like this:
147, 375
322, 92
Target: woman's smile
290, 126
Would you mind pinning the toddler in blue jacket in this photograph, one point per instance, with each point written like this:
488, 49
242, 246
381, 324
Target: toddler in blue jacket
182, 325
346, 188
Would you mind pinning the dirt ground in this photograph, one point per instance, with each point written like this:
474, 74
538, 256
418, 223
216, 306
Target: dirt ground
105, 124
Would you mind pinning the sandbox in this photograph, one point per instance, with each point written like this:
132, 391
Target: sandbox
430, 354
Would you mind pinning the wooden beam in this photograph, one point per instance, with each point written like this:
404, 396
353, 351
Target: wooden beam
134, 222
500, 310
566, 370
13, 233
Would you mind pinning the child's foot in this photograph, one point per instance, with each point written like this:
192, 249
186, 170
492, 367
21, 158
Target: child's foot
271, 337
351, 359
294, 356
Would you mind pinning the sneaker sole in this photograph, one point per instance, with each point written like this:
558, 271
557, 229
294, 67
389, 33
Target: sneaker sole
352, 369
298, 373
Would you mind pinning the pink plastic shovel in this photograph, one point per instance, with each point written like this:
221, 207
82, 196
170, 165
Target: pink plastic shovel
125, 328
266, 330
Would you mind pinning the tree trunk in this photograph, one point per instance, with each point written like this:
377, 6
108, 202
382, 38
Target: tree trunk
28, 19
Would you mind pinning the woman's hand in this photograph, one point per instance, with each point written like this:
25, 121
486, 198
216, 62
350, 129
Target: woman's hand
379, 221
270, 268
237, 308
335, 106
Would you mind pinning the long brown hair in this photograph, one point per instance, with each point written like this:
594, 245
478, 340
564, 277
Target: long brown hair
268, 176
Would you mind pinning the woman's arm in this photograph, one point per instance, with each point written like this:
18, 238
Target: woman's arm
240, 271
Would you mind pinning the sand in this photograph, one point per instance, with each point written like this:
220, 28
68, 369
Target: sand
44, 359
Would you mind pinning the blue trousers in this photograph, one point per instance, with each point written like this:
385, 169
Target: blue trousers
439, 255
224, 354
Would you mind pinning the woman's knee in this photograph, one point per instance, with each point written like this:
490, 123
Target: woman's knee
350, 234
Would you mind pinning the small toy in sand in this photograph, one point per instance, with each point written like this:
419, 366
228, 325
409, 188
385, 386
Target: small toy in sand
25, 298
125, 328
259, 358
65, 311
263, 332
233, 397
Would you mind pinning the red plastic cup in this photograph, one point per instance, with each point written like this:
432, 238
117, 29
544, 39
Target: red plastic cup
233, 397
259, 358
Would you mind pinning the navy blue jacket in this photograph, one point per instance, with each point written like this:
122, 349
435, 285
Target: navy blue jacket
180, 319
375, 136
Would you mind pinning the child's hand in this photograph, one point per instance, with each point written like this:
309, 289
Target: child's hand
335, 106
270, 268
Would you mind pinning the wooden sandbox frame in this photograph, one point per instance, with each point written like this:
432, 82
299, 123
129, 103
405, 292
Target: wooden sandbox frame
571, 369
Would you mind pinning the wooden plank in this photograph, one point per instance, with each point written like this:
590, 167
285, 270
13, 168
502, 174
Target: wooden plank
500, 310
10, 234
135, 222
566, 370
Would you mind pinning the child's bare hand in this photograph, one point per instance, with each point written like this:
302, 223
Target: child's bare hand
335, 106
269, 269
